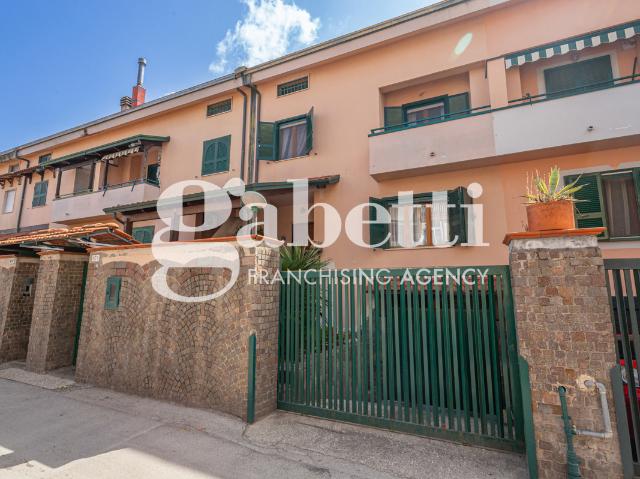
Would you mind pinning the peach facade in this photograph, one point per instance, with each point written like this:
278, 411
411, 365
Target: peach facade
452, 48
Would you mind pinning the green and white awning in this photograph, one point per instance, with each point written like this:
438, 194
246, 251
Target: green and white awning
592, 39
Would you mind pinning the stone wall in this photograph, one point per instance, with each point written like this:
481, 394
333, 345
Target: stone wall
18, 279
56, 310
565, 333
194, 353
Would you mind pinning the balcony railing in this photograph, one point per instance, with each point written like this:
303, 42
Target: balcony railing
91, 204
106, 188
614, 82
431, 121
525, 100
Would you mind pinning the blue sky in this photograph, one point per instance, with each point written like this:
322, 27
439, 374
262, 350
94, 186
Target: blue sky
66, 62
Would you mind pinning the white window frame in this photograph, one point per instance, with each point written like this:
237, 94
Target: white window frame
13, 202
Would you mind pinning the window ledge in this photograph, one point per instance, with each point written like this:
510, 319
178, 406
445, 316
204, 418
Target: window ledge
289, 159
217, 173
400, 248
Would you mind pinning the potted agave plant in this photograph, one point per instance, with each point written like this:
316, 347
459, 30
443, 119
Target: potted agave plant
550, 207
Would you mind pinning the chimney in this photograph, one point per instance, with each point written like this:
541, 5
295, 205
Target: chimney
125, 103
138, 93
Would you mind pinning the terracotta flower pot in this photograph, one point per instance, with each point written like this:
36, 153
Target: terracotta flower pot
557, 215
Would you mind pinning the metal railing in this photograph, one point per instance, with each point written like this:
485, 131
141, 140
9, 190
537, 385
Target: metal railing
430, 121
106, 188
614, 82
431, 359
525, 100
623, 284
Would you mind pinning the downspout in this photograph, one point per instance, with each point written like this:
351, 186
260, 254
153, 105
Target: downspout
252, 134
258, 105
23, 194
244, 131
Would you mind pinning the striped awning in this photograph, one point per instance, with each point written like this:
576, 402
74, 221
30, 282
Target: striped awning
592, 39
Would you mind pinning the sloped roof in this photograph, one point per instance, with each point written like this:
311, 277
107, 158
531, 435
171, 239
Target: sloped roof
84, 236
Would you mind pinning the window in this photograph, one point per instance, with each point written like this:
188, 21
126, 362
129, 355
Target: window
215, 155
44, 158
609, 199
219, 107
420, 235
429, 111
285, 139
9, 200
579, 76
112, 296
144, 234
13, 168
433, 222
83, 179
153, 173
292, 139
40, 194
293, 86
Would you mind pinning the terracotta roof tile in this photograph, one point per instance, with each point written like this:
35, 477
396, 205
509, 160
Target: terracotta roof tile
102, 233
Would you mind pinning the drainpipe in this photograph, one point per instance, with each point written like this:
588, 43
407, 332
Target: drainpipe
23, 194
252, 135
606, 418
244, 130
258, 105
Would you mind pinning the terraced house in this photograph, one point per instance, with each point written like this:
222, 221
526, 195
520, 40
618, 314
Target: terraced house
461, 92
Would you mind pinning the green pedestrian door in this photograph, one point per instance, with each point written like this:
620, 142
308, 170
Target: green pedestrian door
405, 350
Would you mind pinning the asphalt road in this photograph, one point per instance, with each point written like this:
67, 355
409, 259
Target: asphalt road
86, 432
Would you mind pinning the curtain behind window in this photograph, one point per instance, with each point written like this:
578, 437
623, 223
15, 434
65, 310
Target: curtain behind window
83, 175
621, 204
293, 138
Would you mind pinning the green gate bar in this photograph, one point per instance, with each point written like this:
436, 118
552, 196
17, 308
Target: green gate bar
396, 349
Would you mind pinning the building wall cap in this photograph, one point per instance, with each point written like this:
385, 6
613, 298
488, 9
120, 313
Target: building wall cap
553, 239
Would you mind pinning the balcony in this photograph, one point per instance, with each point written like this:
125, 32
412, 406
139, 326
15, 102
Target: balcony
90, 204
600, 116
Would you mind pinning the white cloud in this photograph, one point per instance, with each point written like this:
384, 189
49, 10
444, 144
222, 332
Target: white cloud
269, 29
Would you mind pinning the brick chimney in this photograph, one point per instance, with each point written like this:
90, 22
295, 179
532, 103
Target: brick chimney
138, 93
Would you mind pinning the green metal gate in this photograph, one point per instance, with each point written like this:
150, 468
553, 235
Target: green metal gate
623, 283
430, 352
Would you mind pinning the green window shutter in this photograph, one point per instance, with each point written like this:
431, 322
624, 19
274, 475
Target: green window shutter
215, 155
457, 215
223, 150
112, 296
40, 193
377, 232
579, 74
589, 208
393, 116
636, 181
457, 105
144, 234
309, 146
266, 141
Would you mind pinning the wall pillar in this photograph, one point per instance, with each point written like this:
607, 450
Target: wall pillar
565, 333
497, 76
18, 279
166, 347
55, 311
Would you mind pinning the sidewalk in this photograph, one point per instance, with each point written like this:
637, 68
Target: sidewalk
77, 431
